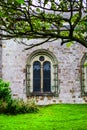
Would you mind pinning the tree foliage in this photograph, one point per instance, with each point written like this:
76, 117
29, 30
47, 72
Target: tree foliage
47, 19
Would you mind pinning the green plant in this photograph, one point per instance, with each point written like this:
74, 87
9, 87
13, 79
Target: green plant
3, 106
13, 106
5, 92
19, 106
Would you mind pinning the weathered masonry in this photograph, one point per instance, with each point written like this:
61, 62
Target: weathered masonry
49, 73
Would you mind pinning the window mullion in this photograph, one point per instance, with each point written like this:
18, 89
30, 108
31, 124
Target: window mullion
41, 78
28, 80
56, 79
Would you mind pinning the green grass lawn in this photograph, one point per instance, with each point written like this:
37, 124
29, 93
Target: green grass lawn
53, 117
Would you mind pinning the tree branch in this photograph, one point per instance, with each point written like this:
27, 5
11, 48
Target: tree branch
34, 45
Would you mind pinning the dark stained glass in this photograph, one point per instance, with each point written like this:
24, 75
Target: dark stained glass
36, 76
41, 58
46, 76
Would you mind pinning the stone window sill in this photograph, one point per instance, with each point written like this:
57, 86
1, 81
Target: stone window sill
42, 94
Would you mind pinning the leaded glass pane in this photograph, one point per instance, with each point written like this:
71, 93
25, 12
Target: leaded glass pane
36, 76
46, 76
85, 79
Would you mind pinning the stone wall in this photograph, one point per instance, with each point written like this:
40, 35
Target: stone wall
14, 60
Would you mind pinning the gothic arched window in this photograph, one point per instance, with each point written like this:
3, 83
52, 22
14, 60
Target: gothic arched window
84, 75
42, 74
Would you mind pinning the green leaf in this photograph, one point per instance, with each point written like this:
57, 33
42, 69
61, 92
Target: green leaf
38, 10
53, 5
75, 17
85, 64
45, 2
20, 1
85, 23
1, 14
69, 44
